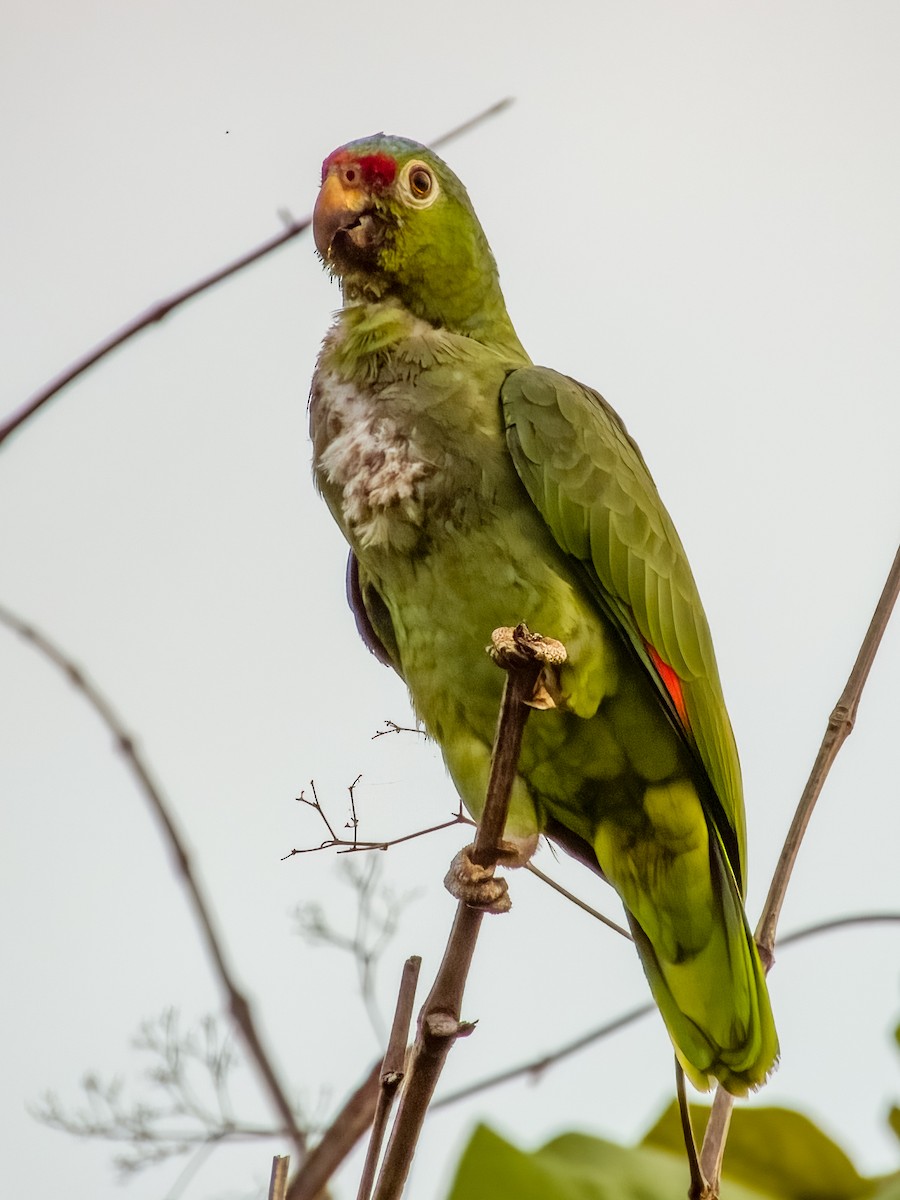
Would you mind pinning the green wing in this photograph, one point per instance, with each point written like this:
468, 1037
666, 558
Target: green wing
589, 482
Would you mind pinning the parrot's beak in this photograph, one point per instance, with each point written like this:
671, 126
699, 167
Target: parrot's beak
342, 209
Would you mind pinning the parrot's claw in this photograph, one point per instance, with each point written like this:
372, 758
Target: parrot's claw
477, 886
516, 647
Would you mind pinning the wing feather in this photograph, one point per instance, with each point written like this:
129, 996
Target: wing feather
589, 481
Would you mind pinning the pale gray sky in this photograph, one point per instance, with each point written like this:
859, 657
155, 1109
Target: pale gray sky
694, 209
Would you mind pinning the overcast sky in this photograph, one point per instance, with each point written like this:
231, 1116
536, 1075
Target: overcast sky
694, 209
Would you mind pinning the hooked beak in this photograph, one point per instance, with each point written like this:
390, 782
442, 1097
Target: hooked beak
341, 209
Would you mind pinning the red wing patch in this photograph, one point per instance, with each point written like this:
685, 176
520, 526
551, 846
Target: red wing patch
671, 683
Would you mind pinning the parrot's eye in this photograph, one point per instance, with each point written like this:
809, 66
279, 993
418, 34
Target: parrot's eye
419, 185
420, 182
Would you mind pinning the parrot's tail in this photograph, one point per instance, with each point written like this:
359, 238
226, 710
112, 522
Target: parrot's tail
715, 1003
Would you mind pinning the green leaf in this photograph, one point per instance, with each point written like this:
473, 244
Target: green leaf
894, 1120
889, 1189
776, 1150
573, 1167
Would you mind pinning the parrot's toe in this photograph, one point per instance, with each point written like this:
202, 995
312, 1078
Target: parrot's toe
476, 886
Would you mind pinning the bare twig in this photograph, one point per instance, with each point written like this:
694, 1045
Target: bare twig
353, 823
346, 846
839, 728
392, 1071
439, 1021
315, 805
393, 727
238, 1004
278, 1180
159, 311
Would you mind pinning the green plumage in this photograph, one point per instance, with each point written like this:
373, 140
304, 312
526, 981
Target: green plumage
477, 490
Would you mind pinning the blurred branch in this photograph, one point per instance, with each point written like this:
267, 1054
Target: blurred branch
238, 1004
156, 1131
840, 726
161, 309
188, 1106
378, 912
834, 923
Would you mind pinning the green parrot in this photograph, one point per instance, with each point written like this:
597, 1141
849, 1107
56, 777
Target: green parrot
477, 490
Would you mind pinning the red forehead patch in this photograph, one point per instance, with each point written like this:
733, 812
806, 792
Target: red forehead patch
377, 170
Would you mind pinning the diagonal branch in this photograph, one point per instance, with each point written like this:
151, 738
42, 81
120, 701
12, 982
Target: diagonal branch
159, 311
238, 1003
839, 728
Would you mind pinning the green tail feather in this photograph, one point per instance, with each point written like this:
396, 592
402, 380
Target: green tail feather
716, 1004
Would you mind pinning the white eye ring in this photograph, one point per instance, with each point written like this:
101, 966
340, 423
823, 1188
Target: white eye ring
418, 185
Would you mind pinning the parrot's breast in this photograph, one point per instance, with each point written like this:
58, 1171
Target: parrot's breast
408, 440
377, 467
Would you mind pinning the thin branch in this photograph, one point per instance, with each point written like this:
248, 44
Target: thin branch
439, 1021
839, 728
698, 1188
392, 1071
537, 1066
493, 111
582, 904
714, 1138
150, 316
161, 309
238, 1004
872, 918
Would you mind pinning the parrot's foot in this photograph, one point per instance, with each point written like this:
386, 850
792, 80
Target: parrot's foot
519, 646
477, 885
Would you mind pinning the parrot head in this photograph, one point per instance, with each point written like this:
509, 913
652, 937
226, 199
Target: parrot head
392, 220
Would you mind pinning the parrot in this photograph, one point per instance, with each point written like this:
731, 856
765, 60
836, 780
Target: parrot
475, 490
